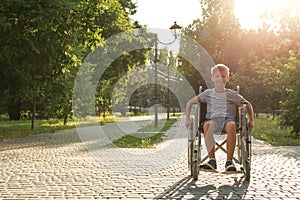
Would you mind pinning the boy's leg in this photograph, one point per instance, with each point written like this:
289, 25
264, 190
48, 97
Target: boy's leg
230, 128
208, 129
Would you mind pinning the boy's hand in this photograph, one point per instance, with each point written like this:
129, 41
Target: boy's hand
187, 123
251, 124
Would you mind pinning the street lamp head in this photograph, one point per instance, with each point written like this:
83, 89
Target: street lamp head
175, 29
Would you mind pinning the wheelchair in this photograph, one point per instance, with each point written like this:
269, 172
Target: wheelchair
243, 142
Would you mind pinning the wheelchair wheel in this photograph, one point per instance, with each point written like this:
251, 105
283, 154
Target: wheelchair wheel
245, 160
239, 150
247, 170
195, 170
247, 163
195, 160
245, 145
191, 149
191, 146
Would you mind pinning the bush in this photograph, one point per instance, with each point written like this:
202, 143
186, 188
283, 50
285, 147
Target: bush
291, 103
291, 113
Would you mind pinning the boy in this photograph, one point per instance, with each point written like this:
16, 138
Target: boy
221, 106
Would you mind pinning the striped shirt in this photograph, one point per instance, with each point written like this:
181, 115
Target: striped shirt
221, 104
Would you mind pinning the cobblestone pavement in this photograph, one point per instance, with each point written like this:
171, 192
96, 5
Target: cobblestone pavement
62, 166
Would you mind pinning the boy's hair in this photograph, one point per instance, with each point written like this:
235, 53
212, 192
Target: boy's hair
219, 67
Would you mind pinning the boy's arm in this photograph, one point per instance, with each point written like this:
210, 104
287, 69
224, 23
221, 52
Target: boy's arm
250, 113
188, 109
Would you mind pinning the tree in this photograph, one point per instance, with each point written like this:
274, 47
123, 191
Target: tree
218, 32
256, 58
44, 42
291, 103
266, 53
35, 45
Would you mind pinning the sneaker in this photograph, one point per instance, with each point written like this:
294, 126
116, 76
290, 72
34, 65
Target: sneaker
210, 165
229, 166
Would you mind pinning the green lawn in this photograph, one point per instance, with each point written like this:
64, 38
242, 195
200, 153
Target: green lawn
22, 128
265, 129
146, 137
268, 130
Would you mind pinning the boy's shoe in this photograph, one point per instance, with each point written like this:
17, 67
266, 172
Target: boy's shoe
210, 165
229, 166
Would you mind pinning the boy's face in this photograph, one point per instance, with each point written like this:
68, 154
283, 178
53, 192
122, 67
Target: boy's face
220, 78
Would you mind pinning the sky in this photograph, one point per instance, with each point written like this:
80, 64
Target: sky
162, 13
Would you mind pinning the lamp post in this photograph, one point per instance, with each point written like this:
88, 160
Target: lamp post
168, 94
175, 30
155, 75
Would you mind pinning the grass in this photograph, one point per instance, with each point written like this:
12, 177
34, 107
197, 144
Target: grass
265, 129
268, 130
16, 129
22, 128
146, 137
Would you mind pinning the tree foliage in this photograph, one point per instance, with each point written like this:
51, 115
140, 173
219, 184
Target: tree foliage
263, 62
42, 45
291, 103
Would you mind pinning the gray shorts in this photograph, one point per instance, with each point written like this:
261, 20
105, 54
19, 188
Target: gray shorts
220, 123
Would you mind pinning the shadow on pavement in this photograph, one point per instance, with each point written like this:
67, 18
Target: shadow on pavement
187, 188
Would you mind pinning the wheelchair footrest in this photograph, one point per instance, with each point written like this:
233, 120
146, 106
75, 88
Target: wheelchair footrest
233, 172
222, 172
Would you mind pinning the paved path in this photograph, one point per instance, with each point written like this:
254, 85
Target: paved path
67, 166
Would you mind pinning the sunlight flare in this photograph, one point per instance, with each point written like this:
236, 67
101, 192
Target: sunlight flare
249, 12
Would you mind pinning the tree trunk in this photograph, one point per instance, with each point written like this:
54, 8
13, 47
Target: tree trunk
14, 109
33, 115
103, 110
65, 120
